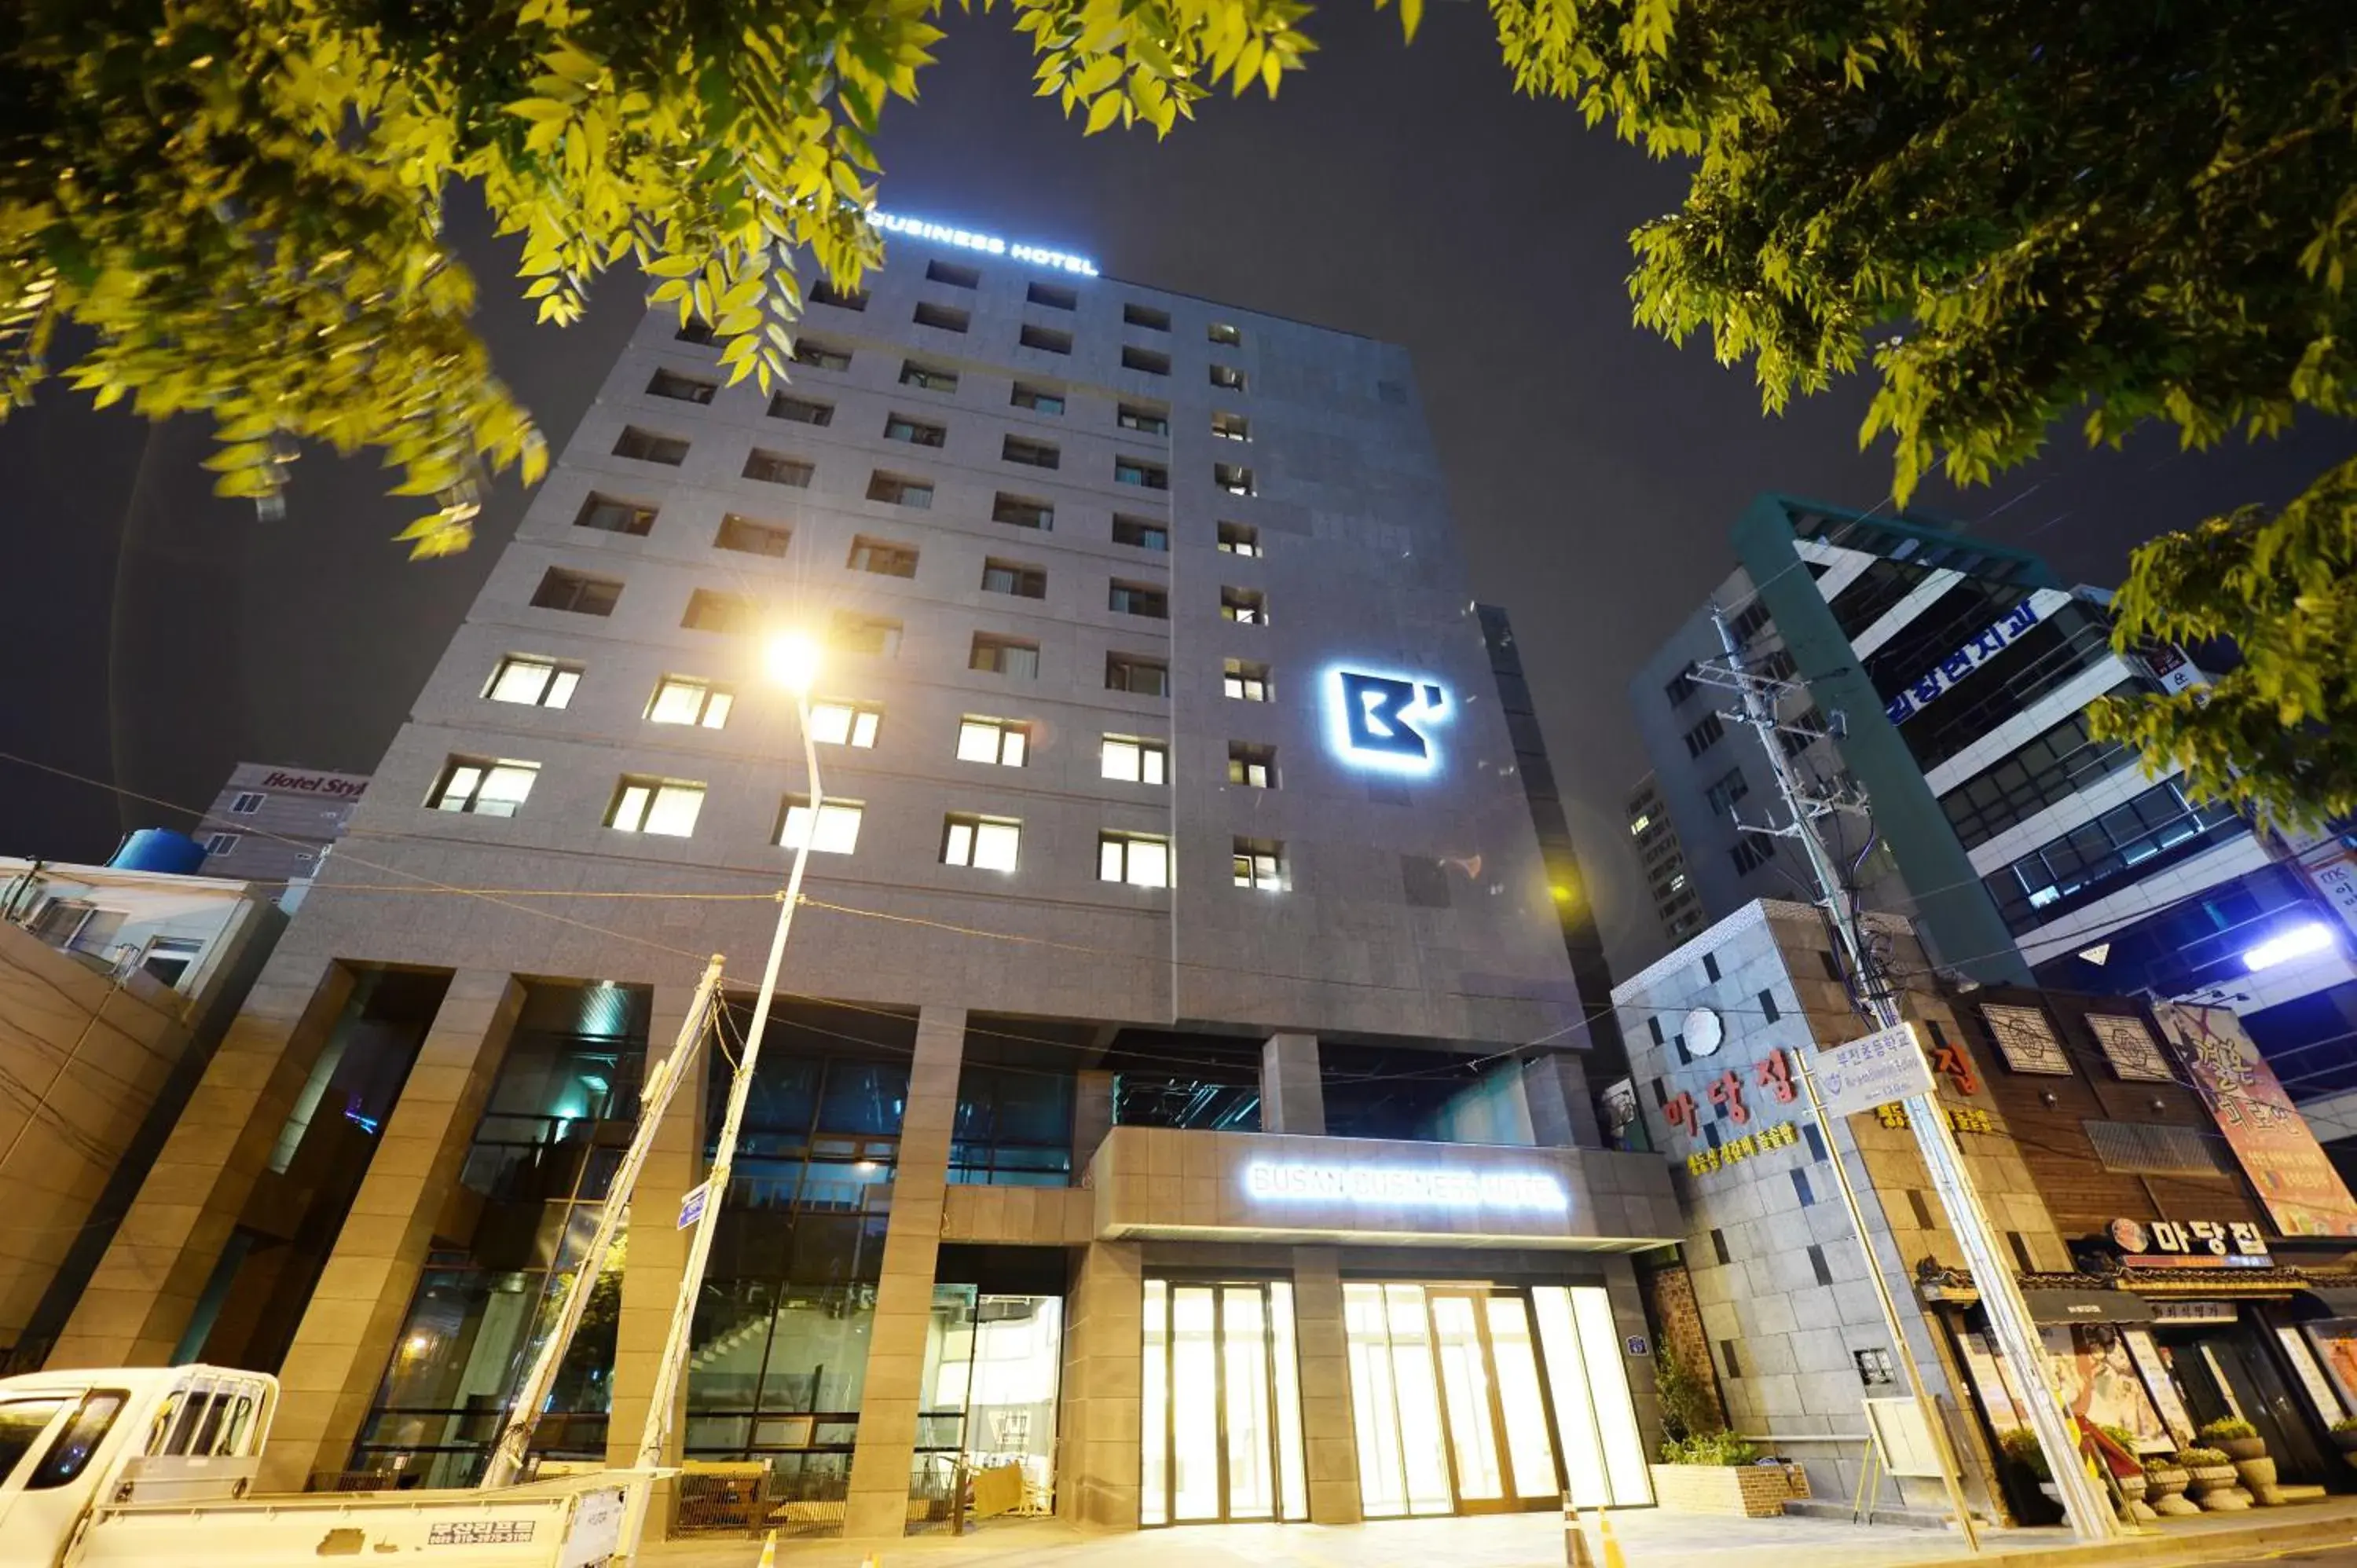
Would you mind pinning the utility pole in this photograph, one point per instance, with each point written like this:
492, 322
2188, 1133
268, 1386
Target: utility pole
2017, 1337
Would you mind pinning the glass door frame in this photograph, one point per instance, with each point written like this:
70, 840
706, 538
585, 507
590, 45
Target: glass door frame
1217, 1288
1509, 1498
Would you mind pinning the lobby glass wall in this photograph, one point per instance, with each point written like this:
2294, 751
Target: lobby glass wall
1220, 1407
1476, 1399
993, 1366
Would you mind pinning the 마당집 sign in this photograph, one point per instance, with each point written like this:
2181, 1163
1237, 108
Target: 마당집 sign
1885, 1065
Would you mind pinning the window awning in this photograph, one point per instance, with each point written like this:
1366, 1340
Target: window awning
2053, 1307
2340, 1301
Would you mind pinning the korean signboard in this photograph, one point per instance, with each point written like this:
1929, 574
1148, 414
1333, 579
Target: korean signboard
1993, 639
2303, 1194
1885, 1065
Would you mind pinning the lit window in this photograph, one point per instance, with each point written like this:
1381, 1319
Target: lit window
1254, 766
534, 682
986, 843
1133, 762
845, 723
1220, 332
878, 636
1138, 859
1234, 477
996, 741
883, 560
245, 805
1239, 539
1244, 680
1640, 825
1230, 426
681, 702
1227, 378
1038, 400
483, 789
1260, 865
1138, 532
1245, 607
838, 825
664, 806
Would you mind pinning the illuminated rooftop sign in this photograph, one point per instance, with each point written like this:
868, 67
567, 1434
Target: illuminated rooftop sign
1403, 1186
1381, 720
975, 240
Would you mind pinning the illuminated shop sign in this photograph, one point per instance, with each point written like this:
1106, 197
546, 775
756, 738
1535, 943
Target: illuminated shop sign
1383, 721
975, 240
1994, 639
1404, 1186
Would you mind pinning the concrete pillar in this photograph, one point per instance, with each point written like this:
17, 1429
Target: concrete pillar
1563, 1113
145, 1291
1329, 1436
881, 1464
333, 1369
657, 1255
1096, 1440
1292, 1100
1092, 1116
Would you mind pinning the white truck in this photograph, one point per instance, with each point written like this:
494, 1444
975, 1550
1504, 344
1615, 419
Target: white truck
155, 1465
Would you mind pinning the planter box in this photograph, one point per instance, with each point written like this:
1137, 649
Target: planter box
1733, 1491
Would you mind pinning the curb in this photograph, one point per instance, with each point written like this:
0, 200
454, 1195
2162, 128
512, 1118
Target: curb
2273, 1536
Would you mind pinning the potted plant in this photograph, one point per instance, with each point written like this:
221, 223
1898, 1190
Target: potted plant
2131, 1486
2236, 1438
2344, 1435
2210, 1477
2021, 1448
1715, 1473
2165, 1481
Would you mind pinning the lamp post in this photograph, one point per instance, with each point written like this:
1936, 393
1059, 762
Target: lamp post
791, 661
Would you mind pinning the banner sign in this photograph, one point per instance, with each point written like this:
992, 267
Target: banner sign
1995, 640
2303, 1194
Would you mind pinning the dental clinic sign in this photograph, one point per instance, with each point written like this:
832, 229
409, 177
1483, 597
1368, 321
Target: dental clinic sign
1404, 1186
986, 245
1381, 720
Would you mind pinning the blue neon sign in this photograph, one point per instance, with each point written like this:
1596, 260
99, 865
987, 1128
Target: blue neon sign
975, 240
1383, 721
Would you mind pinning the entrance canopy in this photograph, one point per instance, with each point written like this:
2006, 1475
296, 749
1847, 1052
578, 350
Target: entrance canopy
2069, 1305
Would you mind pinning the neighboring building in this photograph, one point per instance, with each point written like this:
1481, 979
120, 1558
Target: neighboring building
1175, 917
115, 987
1677, 902
2111, 1142
275, 824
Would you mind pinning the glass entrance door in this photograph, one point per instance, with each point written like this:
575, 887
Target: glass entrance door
1220, 1410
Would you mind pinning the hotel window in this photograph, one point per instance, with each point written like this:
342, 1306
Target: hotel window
216, 845
2129, 1046
711, 611
1052, 296
1146, 316
1005, 656
1227, 378
1244, 680
607, 515
838, 824
1220, 332
646, 446
801, 410
483, 789
1002, 743
1245, 607
1145, 360
533, 683
1145, 421
1137, 600
1127, 760
679, 701
1680, 686
985, 843
1038, 400
880, 559
1239, 539
1259, 864
1731, 787
894, 490
875, 635
1254, 767
2025, 1040
821, 292
941, 317
1141, 860
741, 533
1139, 677
1045, 338
777, 469
1752, 852
1234, 478
1012, 577
924, 378
577, 592
1149, 475
1230, 426
1704, 735
845, 723
916, 432
251, 802
1031, 454
1140, 533
1750, 622
820, 355
663, 806
685, 389
953, 274
1022, 512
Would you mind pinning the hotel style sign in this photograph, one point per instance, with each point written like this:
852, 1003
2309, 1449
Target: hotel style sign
1383, 720
1404, 1186
1994, 639
987, 244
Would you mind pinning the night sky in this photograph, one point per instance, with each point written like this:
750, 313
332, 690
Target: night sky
158, 636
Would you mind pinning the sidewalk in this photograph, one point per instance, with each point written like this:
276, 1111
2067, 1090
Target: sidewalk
1651, 1538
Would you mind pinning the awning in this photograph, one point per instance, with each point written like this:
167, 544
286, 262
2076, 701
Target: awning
2340, 1301
2086, 1307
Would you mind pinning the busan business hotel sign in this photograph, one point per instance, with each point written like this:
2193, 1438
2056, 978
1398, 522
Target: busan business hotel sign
978, 240
1403, 1186
1383, 720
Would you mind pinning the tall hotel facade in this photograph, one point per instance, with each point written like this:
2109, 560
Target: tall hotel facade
1145, 1115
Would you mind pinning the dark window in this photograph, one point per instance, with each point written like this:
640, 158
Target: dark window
1704, 735
1681, 686
1139, 533
1239, 539
1747, 625
1234, 478
646, 446
894, 490
1045, 338
1031, 454
801, 410
1718, 1247
1816, 1140
884, 560
953, 274
607, 515
1710, 966
1729, 789
1139, 599
742, 534
820, 355
1654, 1026
710, 611
1021, 511
1726, 1355
1801, 731
1391, 392
686, 389
1145, 360
1014, 1127
1146, 316
1767, 1012
1150, 476
1227, 378
925, 378
2132, 840
1833, 966
1817, 1264
1752, 852
824, 293
1147, 421
1005, 656
1141, 677
1038, 400
576, 592
1009, 577
2020, 1246
1778, 665
1922, 1210
1424, 881
916, 432
1801, 1188
2048, 768
1052, 296
777, 469
941, 317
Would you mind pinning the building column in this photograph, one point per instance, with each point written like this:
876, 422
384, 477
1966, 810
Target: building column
655, 1254
1329, 1438
1563, 1113
145, 1291
1091, 1117
882, 1462
1292, 1098
1097, 1438
333, 1369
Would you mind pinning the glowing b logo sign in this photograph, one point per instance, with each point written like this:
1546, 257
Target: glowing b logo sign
1383, 721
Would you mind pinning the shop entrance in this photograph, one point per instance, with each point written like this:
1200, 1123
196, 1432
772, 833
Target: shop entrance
1220, 1412
2223, 1370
